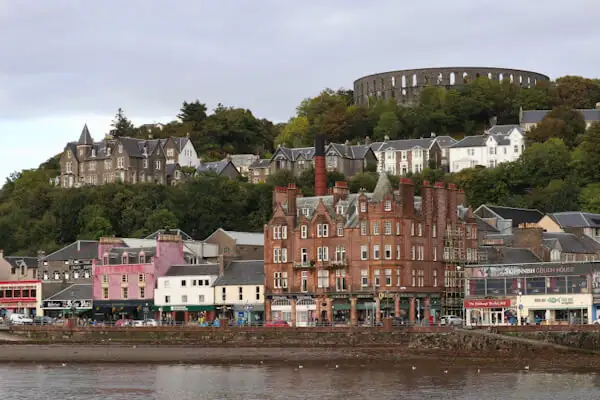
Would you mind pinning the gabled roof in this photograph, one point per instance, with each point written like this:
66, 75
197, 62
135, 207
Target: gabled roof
406, 144
77, 291
445, 141
480, 141
251, 272
243, 238
576, 219
484, 226
292, 154
193, 270
536, 116
502, 129
352, 152
517, 215
78, 250
18, 261
85, 137
214, 166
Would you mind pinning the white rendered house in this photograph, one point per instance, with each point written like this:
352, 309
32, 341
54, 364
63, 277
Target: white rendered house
487, 150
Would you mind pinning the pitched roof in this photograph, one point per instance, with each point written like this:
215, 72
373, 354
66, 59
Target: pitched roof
405, 144
571, 243
77, 291
480, 141
536, 116
214, 166
502, 129
445, 141
193, 270
383, 187
508, 255
78, 250
85, 137
576, 219
18, 261
261, 163
251, 272
517, 215
243, 238
240, 160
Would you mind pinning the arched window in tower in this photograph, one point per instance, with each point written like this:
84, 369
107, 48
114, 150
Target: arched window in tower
452, 78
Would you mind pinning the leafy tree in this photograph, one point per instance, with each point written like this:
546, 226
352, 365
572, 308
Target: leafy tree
365, 180
161, 219
193, 113
563, 123
544, 162
121, 125
388, 126
589, 154
590, 198
294, 133
578, 92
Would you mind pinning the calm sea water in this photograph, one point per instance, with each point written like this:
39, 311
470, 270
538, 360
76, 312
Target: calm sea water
107, 382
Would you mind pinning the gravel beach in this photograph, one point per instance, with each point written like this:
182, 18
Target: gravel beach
36, 353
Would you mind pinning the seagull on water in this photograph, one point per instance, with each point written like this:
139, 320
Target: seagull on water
64, 365
414, 368
337, 366
527, 367
300, 367
445, 371
478, 370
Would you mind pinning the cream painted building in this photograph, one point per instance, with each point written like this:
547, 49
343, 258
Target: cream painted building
239, 291
573, 222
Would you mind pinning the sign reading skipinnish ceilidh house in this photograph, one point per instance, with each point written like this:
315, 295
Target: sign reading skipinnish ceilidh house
525, 270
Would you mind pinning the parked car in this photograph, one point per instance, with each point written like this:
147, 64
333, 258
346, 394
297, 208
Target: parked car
451, 320
596, 322
122, 323
20, 319
277, 324
150, 322
45, 320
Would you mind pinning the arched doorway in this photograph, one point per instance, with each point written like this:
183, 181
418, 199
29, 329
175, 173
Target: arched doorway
305, 311
281, 310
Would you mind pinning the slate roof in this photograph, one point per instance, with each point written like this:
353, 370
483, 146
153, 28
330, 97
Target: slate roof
483, 226
18, 261
85, 137
576, 219
116, 253
503, 129
480, 141
508, 255
352, 152
171, 168
406, 144
193, 270
517, 215
77, 291
247, 238
571, 243
445, 141
241, 159
238, 273
213, 166
261, 163
536, 116
78, 250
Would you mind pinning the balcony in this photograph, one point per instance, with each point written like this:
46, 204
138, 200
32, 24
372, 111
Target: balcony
304, 265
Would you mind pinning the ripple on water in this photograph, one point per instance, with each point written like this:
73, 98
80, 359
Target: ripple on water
274, 382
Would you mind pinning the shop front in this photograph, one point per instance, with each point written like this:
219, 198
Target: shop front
179, 313
109, 310
489, 312
596, 292
558, 309
21, 297
306, 310
248, 314
63, 308
281, 309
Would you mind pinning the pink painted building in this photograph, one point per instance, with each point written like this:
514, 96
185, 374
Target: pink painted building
124, 278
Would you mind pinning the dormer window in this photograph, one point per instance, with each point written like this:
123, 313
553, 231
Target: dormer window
340, 210
306, 212
363, 206
93, 152
387, 205
145, 163
69, 155
120, 148
142, 258
108, 151
124, 259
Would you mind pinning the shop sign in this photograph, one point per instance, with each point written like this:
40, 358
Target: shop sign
537, 269
63, 304
178, 308
487, 303
555, 300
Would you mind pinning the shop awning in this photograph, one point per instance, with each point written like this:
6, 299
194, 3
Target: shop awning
182, 308
253, 307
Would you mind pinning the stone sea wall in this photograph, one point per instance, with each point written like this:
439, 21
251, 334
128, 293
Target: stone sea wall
446, 340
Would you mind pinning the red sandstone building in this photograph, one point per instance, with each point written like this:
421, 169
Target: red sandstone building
353, 258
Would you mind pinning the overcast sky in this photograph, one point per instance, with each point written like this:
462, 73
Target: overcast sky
67, 62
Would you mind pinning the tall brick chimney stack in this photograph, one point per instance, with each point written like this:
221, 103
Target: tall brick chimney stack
320, 171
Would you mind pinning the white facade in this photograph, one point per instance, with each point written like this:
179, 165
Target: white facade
188, 156
486, 150
196, 290
239, 294
401, 162
555, 309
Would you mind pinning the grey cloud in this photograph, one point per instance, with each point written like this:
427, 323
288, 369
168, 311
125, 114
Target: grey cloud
65, 57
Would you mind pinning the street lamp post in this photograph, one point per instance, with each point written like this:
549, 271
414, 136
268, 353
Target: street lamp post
146, 309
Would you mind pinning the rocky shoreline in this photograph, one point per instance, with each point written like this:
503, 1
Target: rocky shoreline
167, 354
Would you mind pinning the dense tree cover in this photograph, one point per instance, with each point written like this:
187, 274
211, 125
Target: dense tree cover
558, 170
